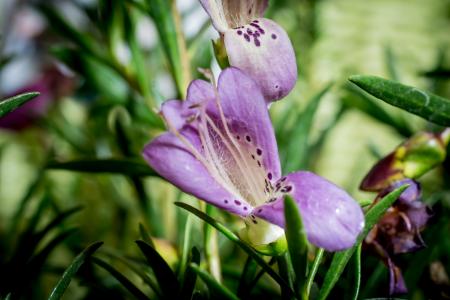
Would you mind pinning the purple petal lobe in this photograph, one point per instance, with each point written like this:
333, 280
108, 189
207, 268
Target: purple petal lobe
179, 113
168, 156
269, 58
332, 219
247, 114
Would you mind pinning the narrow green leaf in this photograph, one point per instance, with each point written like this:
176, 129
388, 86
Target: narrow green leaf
218, 291
66, 30
10, 104
313, 271
120, 166
297, 148
297, 241
234, 238
167, 280
161, 13
190, 276
185, 251
39, 259
247, 276
134, 290
340, 259
63, 283
145, 235
424, 104
356, 272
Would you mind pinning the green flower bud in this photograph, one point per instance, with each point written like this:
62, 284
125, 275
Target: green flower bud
264, 237
221, 53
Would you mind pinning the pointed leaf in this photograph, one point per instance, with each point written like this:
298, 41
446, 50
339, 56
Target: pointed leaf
135, 291
217, 290
63, 283
163, 273
10, 104
161, 13
121, 166
356, 274
340, 259
424, 104
190, 276
297, 241
313, 271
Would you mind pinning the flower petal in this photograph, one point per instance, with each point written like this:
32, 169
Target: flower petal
332, 219
180, 113
226, 14
168, 156
215, 11
264, 51
246, 112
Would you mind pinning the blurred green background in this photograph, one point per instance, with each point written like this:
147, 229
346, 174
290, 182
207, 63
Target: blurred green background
116, 64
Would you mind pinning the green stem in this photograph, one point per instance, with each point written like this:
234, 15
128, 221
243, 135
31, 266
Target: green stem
286, 272
312, 273
211, 248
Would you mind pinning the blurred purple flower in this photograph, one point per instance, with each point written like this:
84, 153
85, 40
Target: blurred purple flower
221, 148
398, 231
255, 45
51, 85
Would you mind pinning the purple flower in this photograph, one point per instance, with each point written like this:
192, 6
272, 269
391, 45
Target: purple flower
398, 231
221, 148
255, 45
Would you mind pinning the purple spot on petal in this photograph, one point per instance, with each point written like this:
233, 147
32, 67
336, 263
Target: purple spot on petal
226, 201
238, 137
248, 138
283, 179
274, 36
288, 188
259, 163
237, 202
247, 37
258, 151
245, 208
239, 32
257, 42
255, 21
254, 221
260, 210
269, 175
253, 156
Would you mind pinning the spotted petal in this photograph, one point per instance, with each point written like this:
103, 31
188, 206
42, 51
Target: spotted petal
264, 51
332, 219
168, 156
246, 111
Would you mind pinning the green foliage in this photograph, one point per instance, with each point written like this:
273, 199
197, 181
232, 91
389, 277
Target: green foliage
11, 104
125, 58
70, 272
125, 167
427, 105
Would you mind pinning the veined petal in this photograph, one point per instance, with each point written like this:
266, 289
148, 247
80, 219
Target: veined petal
168, 156
180, 113
264, 51
332, 219
226, 14
246, 112
215, 11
